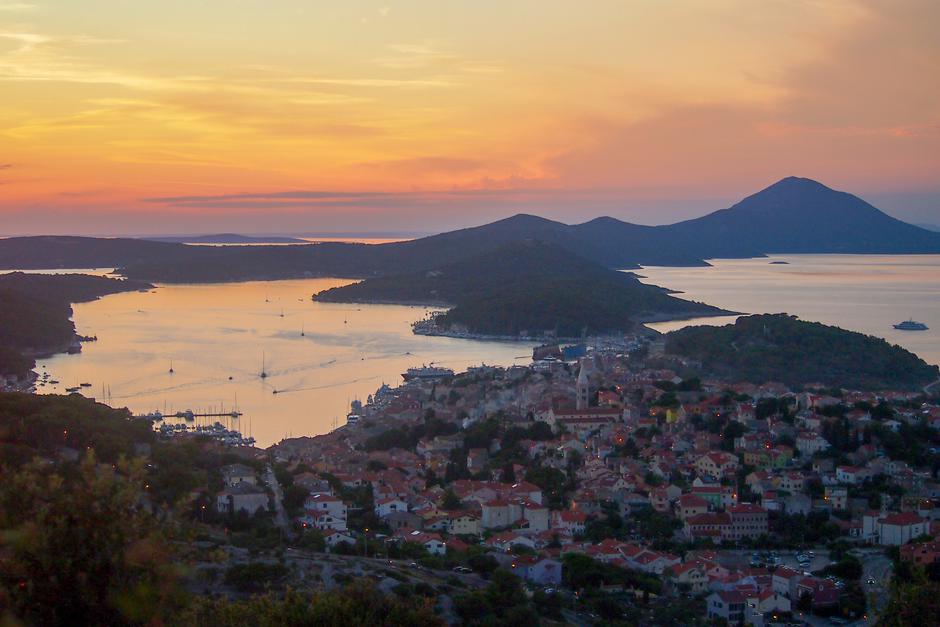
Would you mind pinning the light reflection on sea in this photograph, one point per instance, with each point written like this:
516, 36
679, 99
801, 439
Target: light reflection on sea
213, 332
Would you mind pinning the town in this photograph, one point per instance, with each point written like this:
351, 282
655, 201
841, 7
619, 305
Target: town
609, 484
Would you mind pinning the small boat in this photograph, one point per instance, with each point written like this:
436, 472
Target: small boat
71, 390
911, 325
85, 385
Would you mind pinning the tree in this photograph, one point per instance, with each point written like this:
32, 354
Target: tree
805, 602
912, 605
731, 431
852, 600
552, 482
503, 602
294, 498
82, 549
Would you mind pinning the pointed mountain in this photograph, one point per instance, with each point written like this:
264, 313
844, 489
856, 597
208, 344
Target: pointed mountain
799, 215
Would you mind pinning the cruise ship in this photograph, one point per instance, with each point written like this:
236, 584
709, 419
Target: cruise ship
911, 325
427, 372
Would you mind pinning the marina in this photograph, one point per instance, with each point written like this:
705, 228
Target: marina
216, 431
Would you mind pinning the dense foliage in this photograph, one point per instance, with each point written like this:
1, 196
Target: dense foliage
781, 348
502, 603
78, 549
526, 287
32, 425
14, 362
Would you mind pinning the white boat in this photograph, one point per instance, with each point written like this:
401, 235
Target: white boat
427, 372
911, 325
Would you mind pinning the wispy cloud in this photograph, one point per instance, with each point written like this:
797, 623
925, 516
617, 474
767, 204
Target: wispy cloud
294, 199
16, 6
369, 82
425, 56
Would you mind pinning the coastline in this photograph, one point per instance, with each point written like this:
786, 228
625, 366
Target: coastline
431, 331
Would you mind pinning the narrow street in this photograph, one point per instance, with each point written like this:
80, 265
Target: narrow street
280, 516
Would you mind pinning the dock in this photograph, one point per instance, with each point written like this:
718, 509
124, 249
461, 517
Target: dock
190, 415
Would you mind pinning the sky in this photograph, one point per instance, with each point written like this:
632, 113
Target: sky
303, 116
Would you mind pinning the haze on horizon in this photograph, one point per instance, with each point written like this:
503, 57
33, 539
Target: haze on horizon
290, 116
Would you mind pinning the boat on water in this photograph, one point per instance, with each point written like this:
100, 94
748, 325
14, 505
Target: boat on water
911, 325
427, 372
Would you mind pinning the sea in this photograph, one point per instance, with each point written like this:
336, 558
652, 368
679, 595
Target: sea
321, 356
864, 293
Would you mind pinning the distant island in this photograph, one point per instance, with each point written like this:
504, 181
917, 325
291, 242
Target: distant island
229, 238
527, 288
781, 348
35, 312
794, 215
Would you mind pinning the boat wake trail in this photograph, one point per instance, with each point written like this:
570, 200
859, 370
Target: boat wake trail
326, 386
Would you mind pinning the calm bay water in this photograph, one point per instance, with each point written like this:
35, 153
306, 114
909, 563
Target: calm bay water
213, 332
865, 293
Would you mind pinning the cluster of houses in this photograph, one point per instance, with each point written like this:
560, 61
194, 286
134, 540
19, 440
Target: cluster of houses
711, 457
241, 492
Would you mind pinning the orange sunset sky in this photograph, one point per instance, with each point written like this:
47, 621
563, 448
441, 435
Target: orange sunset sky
180, 116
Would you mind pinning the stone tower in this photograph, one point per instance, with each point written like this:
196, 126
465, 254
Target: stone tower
583, 388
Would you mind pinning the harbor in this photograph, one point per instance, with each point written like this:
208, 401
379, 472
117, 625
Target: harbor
188, 414
216, 431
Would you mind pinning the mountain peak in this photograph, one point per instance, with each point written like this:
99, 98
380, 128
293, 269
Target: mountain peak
524, 219
797, 183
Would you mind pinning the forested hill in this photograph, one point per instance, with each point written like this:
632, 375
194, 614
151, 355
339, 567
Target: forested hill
527, 286
60, 251
779, 347
35, 312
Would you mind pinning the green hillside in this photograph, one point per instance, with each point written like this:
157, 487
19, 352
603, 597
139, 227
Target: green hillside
35, 312
779, 347
526, 286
